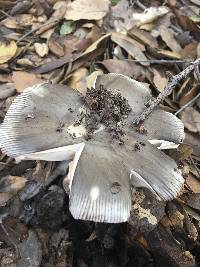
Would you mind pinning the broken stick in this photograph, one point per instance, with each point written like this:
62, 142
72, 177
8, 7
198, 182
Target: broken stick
167, 90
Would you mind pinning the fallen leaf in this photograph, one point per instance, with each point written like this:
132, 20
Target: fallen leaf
185, 151
41, 49
169, 54
187, 96
55, 46
125, 67
89, 10
67, 27
195, 18
7, 50
12, 184
52, 65
193, 183
23, 79
169, 39
121, 16
143, 36
132, 47
94, 50
4, 198
78, 80
19, 21
159, 80
191, 119
193, 141
150, 14
6, 90
189, 51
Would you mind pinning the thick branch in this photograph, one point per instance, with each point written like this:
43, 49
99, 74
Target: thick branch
167, 90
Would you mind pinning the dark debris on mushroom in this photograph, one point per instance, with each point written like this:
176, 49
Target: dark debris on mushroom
110, 158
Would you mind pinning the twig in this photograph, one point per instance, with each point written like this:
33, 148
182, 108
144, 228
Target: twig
167, 90
34, 30
159, 61
187, 104
4, 13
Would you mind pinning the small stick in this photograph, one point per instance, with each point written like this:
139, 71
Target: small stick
159, 61
187, 104
167, 90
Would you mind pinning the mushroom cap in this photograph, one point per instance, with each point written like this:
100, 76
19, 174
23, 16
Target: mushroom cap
45, 122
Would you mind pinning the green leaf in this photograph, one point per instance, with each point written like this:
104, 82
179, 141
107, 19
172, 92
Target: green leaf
114, 2
67, 27
195, 18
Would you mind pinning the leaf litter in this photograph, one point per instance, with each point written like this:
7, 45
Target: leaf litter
49, 38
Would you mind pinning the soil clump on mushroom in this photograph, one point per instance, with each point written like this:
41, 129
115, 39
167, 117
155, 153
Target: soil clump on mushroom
107, 108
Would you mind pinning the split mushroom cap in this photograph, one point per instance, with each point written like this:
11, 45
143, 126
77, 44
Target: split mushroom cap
47, 122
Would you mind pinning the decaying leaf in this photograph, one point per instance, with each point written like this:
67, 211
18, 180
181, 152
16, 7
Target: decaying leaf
90, 9
132, 47
150, 14
6, 90
78, 80
169, 39
41, 49
191, 119
122, 67
8, 50
143, 36
159, 81
193, 183
23, 79
12, 184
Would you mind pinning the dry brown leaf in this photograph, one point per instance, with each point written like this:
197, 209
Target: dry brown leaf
193, 183
94, 50
19, 21
191, 119
5, 78
193, 140
187, 96
121, 16
12, 184
78, 80
52, 65
185, 151
143, 36
25, 62
169, 54
41, 49
128, 68
198, 50
150, 14
4, 198
55, 47
169, 39
89, 10
6, 90
159, 80
189, 51
8, 50
131, 46
23, 79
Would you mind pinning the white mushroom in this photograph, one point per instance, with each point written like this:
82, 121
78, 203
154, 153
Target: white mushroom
42, 124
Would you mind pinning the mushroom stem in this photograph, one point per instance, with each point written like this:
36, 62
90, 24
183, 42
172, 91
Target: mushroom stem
167, 90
